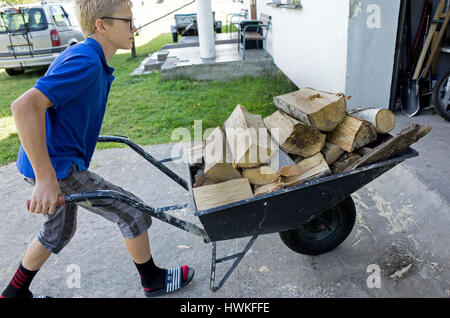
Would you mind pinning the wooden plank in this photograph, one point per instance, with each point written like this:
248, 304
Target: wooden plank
430, 35
393, 146
436, 46
211, 196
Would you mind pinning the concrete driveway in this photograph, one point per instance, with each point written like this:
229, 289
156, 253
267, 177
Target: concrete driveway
402, 233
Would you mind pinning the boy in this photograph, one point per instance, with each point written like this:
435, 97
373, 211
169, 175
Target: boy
58, 122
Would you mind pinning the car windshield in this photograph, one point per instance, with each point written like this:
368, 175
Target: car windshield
13, 21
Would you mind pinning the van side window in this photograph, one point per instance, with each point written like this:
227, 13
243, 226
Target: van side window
37, 20
60, 16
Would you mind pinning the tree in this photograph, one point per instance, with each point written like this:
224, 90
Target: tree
16, 1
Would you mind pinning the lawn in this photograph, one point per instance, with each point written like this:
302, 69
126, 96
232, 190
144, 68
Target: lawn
146, 109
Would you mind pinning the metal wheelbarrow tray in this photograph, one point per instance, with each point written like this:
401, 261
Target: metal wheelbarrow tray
312, 218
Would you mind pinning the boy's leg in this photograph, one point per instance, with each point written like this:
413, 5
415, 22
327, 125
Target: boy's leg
133, 224
35, 256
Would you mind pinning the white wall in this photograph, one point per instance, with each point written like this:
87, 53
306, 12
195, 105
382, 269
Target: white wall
310, 45
337, 46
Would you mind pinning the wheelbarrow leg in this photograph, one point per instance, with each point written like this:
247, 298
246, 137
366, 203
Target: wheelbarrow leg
214, 261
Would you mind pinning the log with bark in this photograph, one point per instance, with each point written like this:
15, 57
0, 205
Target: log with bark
331, 152
343, 162
248, 138
382, 119
318, 109
294, 136
352, 133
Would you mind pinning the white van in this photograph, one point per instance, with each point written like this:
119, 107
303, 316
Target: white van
35, 34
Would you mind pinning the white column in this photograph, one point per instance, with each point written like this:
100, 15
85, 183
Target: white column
205, 29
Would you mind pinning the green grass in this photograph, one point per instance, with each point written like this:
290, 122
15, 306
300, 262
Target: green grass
146, 109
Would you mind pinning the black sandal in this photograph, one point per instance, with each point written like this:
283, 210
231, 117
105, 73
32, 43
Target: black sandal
174, 281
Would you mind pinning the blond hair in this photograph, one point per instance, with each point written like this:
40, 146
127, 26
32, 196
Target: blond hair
88, 11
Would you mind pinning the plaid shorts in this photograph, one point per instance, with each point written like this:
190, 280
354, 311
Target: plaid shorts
59, 228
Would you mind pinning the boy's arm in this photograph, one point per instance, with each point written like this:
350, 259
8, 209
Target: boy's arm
29, 115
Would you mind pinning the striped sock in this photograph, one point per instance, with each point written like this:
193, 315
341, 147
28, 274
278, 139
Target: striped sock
18, 287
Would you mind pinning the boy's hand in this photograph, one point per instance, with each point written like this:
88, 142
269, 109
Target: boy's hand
45, 196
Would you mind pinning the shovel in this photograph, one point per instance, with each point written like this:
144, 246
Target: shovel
410, 96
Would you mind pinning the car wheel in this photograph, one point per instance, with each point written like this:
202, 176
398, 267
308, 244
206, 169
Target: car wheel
14, 71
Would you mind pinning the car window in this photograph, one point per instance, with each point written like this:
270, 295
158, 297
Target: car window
14, 21
71, 15
60, 16
37, 20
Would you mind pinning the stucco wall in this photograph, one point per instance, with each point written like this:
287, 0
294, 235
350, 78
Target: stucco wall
310, 45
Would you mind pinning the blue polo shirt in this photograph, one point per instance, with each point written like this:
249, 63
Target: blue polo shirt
77, 83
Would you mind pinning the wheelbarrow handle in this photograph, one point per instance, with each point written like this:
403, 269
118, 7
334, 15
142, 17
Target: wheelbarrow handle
59, 202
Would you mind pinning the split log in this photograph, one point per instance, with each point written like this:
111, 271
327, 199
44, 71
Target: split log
215, 195
331, 152
283, 163
382, 119
294, 136
261, 175
248, 138
314, 166
194, 152
218, 158
344, 161
393, 146
318, 109
352, 133
267, 188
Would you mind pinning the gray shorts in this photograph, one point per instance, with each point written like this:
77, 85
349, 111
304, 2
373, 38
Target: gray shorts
59, 228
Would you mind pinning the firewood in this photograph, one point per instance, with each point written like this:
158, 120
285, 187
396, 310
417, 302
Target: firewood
267, 188
218, 158
194, 152
314, 166
261, 175
215, 195
344, 161
382, 119
321, 110
284, 164
393, 146
331, 152
294, 136
352, 133
248, 138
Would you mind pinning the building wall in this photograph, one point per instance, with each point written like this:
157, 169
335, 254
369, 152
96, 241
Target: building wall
337, 46
310, 45
372, 32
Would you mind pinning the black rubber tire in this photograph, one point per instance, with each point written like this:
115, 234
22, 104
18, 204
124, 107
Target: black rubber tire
14, 71
441, 109
175, 37
325, 232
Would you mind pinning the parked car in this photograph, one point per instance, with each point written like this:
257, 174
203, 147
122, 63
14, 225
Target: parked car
34, 35
186, 24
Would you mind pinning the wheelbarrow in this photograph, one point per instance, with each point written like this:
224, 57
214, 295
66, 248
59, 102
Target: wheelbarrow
312, 218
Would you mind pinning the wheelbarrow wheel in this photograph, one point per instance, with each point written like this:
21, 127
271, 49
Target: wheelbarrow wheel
325, 232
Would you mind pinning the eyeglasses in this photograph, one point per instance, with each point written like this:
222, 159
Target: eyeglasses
130, 21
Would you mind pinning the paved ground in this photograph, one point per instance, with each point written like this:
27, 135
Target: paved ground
402, 229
